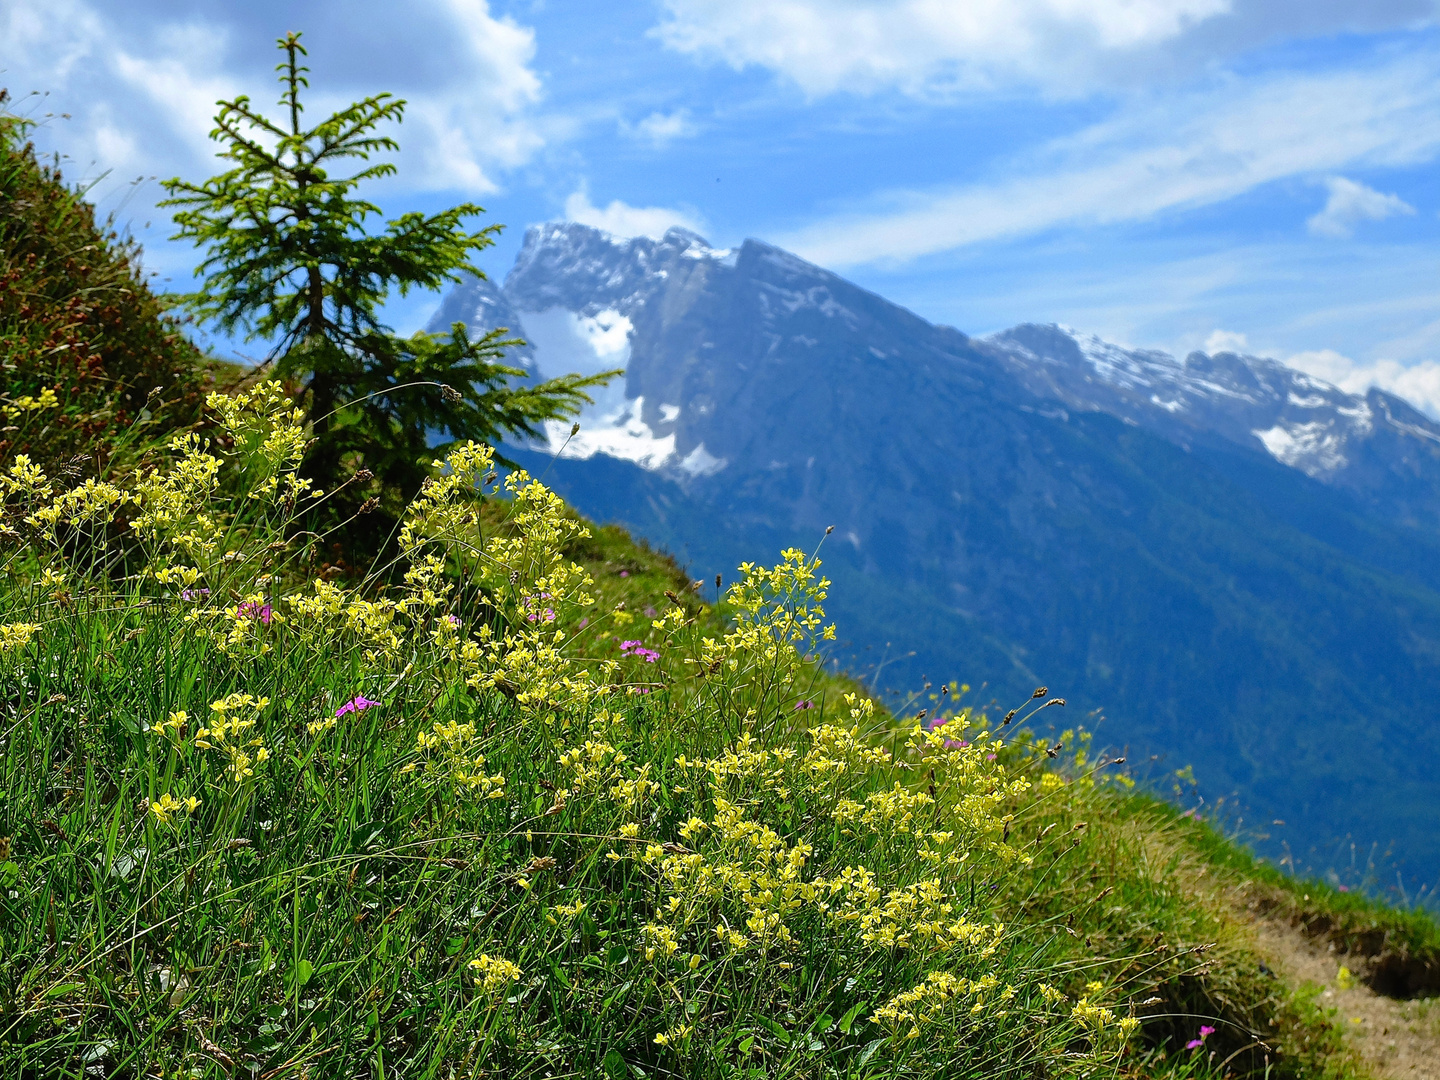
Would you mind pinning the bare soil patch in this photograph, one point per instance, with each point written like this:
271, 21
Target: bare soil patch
1396, 1038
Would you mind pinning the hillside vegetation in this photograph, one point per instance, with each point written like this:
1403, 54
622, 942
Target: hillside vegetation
490, 819
86, 349
516, 803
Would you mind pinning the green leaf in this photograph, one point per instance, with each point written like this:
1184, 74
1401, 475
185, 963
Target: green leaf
848, 1019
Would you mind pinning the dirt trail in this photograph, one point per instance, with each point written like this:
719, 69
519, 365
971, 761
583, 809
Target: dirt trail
1396, 1039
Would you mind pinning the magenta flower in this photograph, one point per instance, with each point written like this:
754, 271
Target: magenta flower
584, 621
194, 594
1205, 1032
624, 573
359, 703
252, 610
804, 705
635, 648
651, 613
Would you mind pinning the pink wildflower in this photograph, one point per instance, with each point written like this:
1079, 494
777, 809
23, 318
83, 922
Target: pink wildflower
359, 703
804, 705
252, 610
635, 648
1205, 1032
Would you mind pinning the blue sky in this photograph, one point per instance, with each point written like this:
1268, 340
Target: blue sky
1166, 173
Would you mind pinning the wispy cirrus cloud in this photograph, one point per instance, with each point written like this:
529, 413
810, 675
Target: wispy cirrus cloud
1351, 203
926, 48
1171, 152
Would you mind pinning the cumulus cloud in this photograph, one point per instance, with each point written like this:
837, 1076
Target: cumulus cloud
1417, 383
1349, 204
928, 47
660, 128
1226, 341
621, 219
142, 88
1176, 152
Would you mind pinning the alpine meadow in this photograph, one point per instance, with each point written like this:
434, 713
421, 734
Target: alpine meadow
338, 744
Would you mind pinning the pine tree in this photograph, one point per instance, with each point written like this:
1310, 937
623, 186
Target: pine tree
292, 261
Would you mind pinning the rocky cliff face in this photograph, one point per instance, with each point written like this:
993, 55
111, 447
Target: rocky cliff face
1223, 555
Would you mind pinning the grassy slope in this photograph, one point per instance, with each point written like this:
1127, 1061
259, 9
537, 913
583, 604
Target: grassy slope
332, 927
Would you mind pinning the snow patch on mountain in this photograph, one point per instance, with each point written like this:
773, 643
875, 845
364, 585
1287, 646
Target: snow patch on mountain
1315, 448
623, 434
1301, 421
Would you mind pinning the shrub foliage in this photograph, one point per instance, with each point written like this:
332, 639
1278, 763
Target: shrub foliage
85, 347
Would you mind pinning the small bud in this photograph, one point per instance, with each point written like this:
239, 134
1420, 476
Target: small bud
717, 581
450, 395
368, 506
575, 429
364, 475
829, 529
1040, 692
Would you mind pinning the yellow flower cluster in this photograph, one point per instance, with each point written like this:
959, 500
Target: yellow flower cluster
226, 733
1096, 1017
173, 725
451, 751
493, 973
168, 806
28, 403
674, 1035
15, 636
940, 993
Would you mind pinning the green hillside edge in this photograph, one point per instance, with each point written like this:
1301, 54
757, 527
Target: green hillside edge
520, 804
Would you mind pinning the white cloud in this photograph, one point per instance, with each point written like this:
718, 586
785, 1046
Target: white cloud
621, 219
1351, 203
1176, 152
143, 88
919, 46
480, 118
930, 47
1226, 341
183, 82
659, 128
1417, 383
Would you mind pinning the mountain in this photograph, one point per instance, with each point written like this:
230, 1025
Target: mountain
1232, 562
